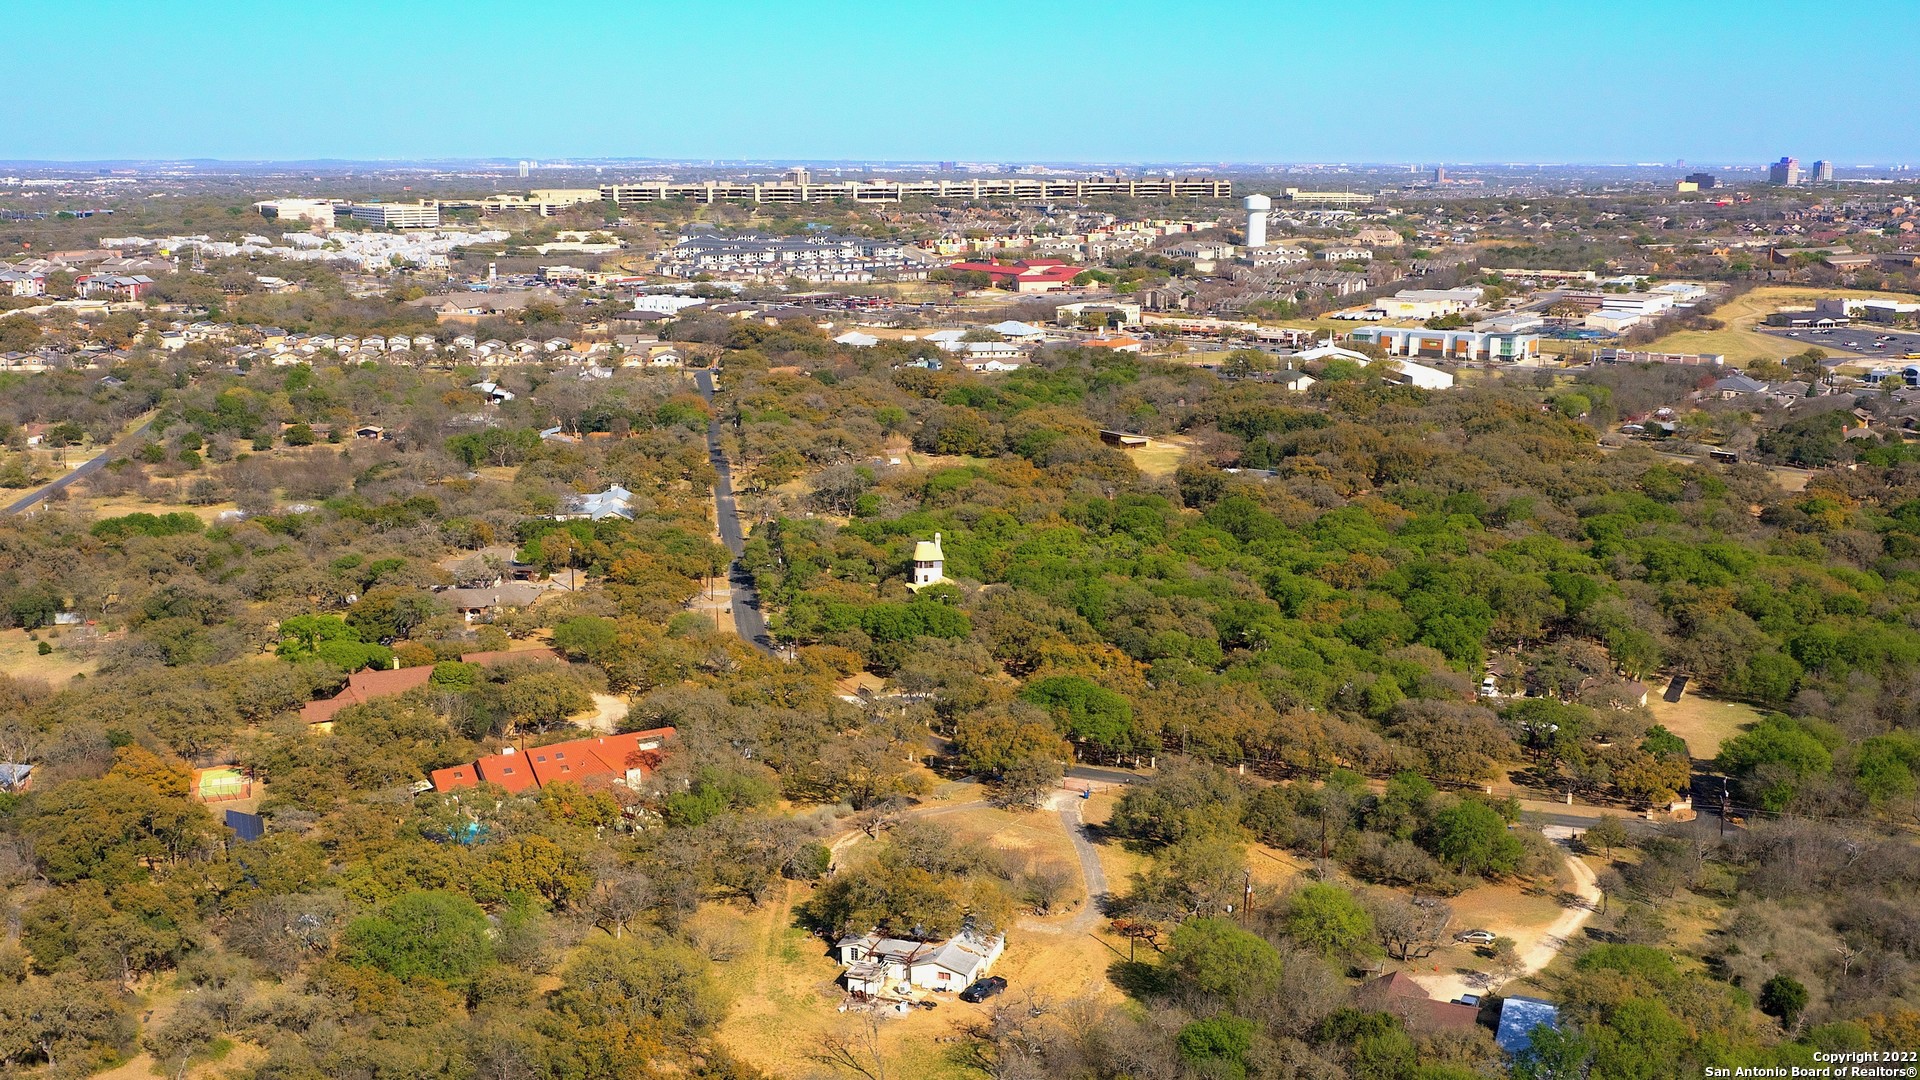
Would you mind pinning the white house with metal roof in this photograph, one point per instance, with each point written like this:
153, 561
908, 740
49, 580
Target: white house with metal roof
616, 501
876, 963
929, 563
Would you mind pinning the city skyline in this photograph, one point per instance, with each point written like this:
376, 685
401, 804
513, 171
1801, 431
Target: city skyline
1233, 83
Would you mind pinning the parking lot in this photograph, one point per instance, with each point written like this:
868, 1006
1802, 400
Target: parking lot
1864, 340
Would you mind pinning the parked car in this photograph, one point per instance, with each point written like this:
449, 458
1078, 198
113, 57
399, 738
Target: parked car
986, 988
1474, 937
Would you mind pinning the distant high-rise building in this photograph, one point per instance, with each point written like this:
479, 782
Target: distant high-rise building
524, 169
1823, 171
1439, 174
799, 175
1785, 171
949, 166
1703, 181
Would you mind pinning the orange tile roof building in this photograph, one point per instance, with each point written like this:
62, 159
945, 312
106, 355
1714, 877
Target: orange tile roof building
628, 759
365, 686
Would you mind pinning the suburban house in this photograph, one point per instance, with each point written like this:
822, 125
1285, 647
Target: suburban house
365, 686
1293, 380
875, 963
626, 759
1015, 330
1400, 995
616, 501
480, 603
362, 687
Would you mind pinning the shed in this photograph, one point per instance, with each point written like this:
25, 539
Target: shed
15, 777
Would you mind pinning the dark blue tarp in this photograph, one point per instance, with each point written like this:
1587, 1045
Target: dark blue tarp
246, 826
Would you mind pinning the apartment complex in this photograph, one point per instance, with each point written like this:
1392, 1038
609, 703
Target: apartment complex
799, 189
813, 258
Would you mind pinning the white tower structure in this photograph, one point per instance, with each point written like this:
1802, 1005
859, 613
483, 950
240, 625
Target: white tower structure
1257, 207
929, 563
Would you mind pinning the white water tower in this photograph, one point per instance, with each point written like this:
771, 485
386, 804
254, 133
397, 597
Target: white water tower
1257, 207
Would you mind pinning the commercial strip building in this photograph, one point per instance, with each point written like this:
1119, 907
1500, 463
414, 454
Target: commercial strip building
1628, 356
1470, 345
1428, 303
885, 191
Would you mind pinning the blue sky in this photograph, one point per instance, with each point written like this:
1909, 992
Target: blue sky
1713, 81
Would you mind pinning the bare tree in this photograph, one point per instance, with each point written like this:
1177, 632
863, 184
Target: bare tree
1409, 929
857, 1051
618, 900
1044, 882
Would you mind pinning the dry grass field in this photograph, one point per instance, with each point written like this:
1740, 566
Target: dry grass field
1740, 342
1161, 456
782, 982
20, 658
1705, 723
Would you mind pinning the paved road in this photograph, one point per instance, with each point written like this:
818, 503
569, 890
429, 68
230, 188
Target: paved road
91, 466
1091, 871
1101, 774
748, 621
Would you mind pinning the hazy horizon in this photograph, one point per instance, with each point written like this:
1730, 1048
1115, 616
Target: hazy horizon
1236, 82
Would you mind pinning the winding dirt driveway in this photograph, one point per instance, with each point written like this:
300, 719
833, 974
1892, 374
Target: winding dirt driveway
1537, 948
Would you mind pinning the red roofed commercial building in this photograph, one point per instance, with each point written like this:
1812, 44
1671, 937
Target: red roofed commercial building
628, 759
1026, 275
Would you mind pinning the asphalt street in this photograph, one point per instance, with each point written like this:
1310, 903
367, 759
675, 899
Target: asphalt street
86, 469
748, 621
